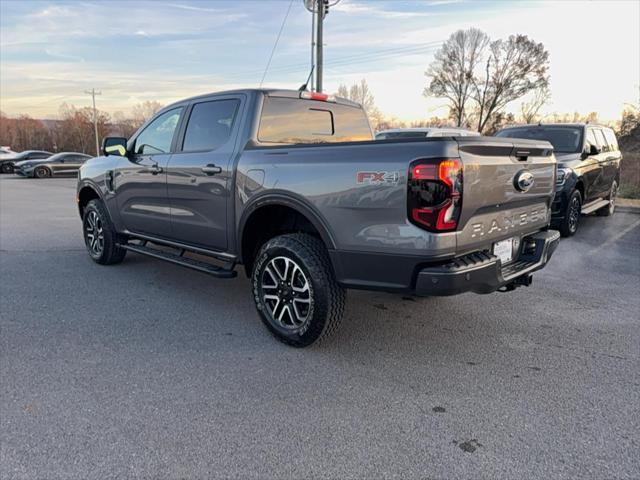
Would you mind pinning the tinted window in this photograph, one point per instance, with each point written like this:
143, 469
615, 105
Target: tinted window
591, 137
602, 142
38, 156
158, 135
288, 120
563, 139
611, 139
210, 125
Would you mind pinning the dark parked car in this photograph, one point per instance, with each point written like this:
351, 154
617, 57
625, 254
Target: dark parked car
7, 163
293, 186
60, 164
588, 169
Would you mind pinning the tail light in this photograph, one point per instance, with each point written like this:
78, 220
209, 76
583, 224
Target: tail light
435, 194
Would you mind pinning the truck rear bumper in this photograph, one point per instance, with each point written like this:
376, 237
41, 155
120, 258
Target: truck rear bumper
481, 272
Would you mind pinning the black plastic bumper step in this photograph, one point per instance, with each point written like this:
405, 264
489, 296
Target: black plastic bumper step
204, 267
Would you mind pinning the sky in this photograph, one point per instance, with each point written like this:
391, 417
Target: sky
134, 51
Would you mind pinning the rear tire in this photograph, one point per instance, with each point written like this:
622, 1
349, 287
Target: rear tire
42, 172
569, 224
611, 208
295, 290
100, 236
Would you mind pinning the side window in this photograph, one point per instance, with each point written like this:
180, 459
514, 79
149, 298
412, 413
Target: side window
591, 139
158, 135
209, 125
602, 142
611, 139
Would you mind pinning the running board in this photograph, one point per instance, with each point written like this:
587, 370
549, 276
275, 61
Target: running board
593, 206
191, 263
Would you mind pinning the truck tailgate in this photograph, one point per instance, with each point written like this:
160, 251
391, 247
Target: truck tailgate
508, 189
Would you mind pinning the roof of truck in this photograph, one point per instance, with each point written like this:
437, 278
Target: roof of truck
272, 92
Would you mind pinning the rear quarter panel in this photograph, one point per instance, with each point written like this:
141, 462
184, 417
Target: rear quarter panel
357, 190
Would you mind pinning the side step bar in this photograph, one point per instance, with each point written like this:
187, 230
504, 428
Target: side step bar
204, 267
593, 206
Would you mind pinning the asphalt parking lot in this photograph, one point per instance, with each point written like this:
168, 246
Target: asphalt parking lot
147, 369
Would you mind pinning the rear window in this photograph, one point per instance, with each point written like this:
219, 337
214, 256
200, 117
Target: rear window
288, 120
563, 139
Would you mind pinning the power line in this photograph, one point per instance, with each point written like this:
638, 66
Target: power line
275, 45
349, 59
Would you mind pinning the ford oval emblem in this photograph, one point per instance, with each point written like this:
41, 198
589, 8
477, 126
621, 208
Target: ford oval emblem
524, 180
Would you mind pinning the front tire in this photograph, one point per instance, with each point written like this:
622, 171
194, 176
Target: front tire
6, 168
295, 290
569, 224
611, 208
42, 172
100, 235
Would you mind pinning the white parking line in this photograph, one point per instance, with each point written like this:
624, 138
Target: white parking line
616, 237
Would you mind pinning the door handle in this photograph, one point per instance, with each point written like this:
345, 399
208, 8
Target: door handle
211, 169
154, 169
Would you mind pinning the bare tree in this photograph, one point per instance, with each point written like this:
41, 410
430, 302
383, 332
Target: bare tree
123, 126
24, 133
74, 131
360, 93
144, 111
514, 67
453, 68
529, 110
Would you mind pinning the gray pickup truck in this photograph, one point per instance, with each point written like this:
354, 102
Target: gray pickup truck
293, 186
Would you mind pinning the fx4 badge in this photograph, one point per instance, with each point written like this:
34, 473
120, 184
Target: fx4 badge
377, 178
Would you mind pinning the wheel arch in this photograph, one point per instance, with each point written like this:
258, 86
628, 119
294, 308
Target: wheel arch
291, 214
580, 186
86, 193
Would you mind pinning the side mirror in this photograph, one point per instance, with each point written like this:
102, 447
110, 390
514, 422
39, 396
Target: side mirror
590, 150
114, 146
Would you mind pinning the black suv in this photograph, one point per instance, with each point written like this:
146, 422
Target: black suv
588, 169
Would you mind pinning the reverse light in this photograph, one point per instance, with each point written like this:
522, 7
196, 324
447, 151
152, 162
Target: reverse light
434, 197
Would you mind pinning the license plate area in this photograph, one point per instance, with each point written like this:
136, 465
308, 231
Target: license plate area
504, 250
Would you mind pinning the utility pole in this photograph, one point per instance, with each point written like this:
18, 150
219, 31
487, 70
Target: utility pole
319, 9
320, 19
313, 45
93, 94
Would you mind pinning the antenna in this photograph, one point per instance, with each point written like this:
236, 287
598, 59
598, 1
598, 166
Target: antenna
303, 87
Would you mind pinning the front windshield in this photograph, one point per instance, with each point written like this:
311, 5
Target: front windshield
563, 139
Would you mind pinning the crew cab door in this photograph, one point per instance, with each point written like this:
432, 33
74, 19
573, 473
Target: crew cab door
140, 181
199, 174
592, 170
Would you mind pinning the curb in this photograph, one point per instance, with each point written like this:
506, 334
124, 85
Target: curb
628, 205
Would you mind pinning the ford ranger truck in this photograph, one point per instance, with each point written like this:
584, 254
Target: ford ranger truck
292, 186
